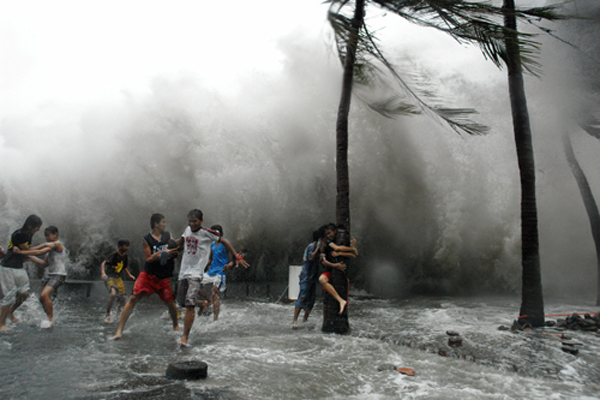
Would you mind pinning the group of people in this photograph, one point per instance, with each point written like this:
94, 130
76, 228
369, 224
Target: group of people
205, 260
322, 254
14, 280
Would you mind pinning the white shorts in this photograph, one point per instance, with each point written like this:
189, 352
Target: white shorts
217, 280
13, 281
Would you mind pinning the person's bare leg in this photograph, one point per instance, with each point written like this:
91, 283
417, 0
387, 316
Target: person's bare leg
47, 302
306, 314
202, 304
127, 310
4, 311
20, 300
188, 321
295, 320
216, 302
121, 303
111, 300
174, 313
331, 290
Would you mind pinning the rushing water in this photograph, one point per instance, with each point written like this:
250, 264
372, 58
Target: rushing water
253, 354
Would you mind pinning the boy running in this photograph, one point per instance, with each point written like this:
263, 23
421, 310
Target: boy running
217, 267
113, 269
196, 242
155, 278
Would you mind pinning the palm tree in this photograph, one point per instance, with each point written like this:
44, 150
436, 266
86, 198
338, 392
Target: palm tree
364, 63
586, 194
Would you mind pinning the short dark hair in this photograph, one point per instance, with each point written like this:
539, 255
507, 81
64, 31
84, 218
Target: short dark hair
195, 213
51, 229
318, 234
330, 226
33, 221
123, 242
155, 219
217, 228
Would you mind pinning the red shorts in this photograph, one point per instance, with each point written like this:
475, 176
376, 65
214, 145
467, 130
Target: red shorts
328, 275
147, 284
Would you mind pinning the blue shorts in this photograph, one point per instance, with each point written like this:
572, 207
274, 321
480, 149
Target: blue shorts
307, 296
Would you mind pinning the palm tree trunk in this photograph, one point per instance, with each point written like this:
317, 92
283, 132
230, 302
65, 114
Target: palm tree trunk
588, 201
341, 164
332, 320
532, 302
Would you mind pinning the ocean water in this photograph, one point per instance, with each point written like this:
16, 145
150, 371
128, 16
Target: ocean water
252, 353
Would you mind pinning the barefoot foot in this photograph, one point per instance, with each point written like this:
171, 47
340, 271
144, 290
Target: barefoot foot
295, 325
14, 319
46, 324
117, 336
343, 304
107, 320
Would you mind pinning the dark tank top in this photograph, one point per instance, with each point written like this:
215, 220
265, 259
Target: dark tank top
156, 246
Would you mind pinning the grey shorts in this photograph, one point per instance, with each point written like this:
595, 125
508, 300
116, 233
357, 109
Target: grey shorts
54, 281
187, 291
12, 281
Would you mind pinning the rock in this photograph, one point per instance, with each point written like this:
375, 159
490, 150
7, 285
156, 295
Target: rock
550, 323
569, 349
520, 325
452, 333
191, 370
503, 328
386, 367
515, 326
455, 341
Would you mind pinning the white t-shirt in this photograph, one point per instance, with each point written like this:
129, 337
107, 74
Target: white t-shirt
196, 251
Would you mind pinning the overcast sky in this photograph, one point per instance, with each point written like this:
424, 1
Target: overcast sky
81, 51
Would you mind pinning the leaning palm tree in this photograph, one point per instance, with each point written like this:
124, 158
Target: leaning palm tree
364, 63
586, 194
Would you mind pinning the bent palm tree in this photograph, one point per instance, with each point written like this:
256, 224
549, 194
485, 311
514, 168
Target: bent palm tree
586, 194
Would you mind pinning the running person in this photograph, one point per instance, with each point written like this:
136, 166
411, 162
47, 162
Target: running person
113, 270
155, 278
196, 242
217, 268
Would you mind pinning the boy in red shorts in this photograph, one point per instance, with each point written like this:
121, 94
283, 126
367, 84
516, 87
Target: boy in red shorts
155, 278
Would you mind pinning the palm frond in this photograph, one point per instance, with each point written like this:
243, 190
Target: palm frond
393, 107
470, 22
592, 127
